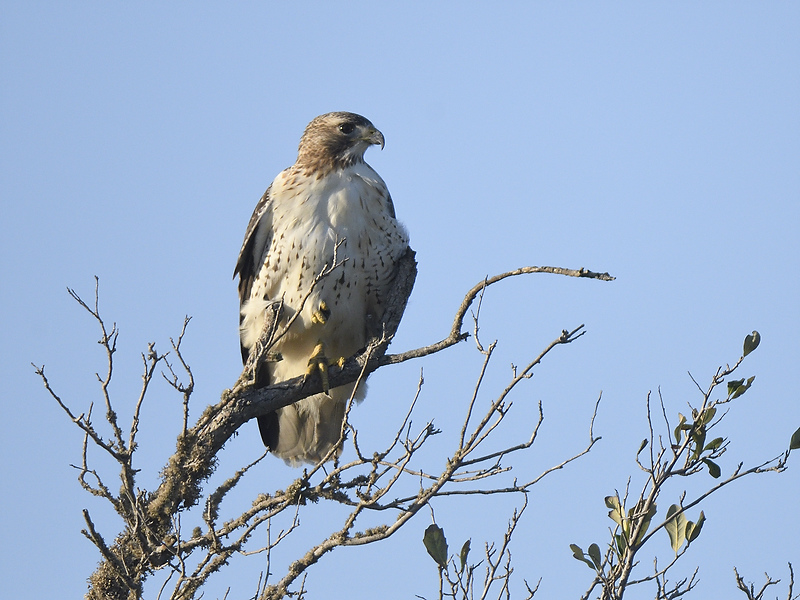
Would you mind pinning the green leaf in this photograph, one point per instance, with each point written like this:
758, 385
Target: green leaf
734, 385
794, 443
577, 553
745, 387
751, 342
676, 527
464, 553
436, 544
646, 523
615, 514
699, 438
594, 554
714, 444
738, 387
621, 544
707, 415
693, 529
713, 468
642, 446
681, 426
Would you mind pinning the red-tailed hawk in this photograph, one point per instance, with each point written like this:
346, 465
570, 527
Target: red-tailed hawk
329, 202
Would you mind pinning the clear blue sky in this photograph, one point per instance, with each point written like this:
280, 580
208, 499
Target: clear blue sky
659, 142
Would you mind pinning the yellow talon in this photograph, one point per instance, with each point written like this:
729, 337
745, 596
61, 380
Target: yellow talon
319, 362
322, 314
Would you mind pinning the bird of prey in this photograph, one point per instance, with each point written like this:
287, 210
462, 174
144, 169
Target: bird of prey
329, 205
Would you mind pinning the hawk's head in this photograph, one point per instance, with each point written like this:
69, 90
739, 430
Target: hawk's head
337, 140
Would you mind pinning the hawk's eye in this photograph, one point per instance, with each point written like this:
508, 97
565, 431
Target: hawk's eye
347, 128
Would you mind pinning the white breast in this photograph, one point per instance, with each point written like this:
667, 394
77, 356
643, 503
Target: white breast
309, 217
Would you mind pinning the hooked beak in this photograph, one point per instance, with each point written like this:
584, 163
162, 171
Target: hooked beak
375, 137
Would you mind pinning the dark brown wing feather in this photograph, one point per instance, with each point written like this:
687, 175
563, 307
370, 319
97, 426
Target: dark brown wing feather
247, 267
250, 256
248, 264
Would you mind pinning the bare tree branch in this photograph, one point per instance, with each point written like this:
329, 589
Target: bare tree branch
750, 590
152, 538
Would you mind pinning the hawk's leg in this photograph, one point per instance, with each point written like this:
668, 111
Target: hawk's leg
319, 362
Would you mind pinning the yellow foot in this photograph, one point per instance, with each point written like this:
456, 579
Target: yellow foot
321, 315
319, 362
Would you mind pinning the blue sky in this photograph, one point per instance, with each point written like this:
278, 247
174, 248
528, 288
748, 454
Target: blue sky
658, 142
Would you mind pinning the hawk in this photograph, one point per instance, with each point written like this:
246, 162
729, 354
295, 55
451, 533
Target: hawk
330, 205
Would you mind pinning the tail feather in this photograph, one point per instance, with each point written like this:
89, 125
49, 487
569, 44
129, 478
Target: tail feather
304, 432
